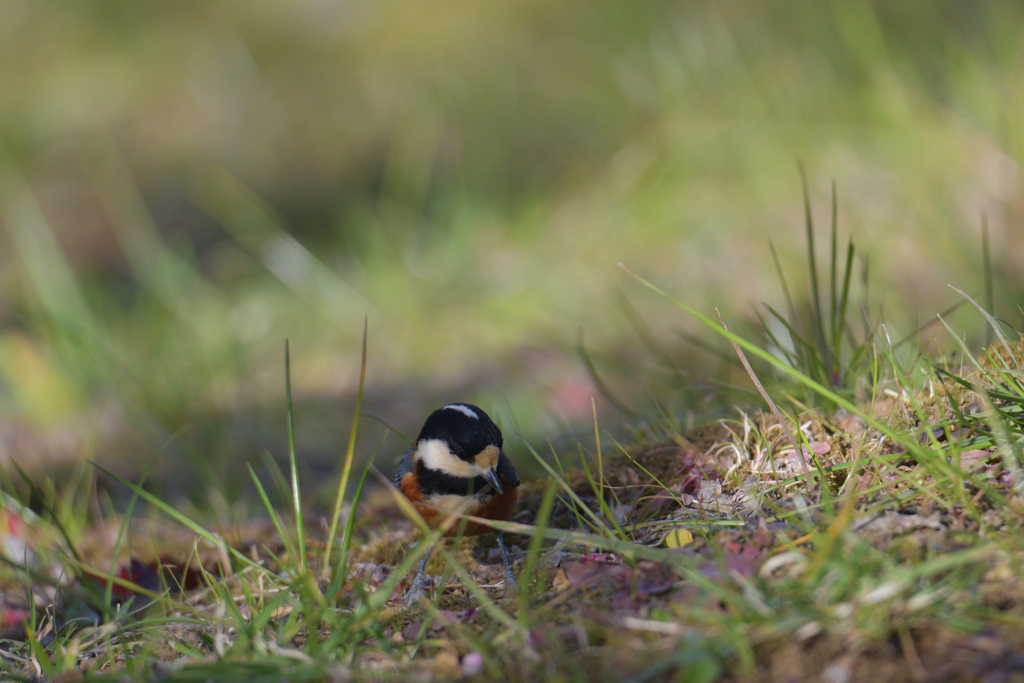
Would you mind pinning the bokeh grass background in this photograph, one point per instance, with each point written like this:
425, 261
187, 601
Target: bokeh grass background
184, 185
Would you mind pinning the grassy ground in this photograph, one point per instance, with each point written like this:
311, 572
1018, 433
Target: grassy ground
180, 191
866, 524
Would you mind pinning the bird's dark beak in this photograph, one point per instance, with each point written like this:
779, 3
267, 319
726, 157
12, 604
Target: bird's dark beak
491, 477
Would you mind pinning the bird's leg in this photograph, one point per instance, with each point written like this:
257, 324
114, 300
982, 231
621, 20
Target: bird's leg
416, 591
510, 578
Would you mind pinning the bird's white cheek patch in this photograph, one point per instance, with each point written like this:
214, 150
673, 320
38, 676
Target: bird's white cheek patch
436, 456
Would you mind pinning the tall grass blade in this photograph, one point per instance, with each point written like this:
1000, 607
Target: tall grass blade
547, 504
810, 360
300, 527
844, 298
595, 519
347, 468
276, 474
273, 514
602, 504
341, 567
833, 320
600, 457
986, 257
812, 264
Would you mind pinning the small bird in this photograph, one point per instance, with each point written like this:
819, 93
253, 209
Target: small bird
456, 465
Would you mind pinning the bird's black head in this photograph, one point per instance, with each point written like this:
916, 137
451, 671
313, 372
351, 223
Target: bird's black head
464, 428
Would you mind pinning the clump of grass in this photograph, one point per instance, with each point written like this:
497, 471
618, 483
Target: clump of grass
990, 412
818, 336
879, 478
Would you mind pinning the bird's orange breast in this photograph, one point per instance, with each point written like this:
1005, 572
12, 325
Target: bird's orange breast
500, 506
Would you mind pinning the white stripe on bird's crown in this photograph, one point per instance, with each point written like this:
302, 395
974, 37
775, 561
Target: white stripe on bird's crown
468, 412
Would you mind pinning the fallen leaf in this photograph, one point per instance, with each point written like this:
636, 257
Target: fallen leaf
677, 538
820, 447
561, 582
973, 457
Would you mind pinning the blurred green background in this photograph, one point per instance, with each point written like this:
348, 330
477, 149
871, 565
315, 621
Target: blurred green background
184, 185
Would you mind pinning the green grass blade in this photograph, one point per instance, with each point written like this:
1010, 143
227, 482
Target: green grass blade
263, 617
986, 259
812, 265
347, 468
597, 487
276, 474
300, 527
832, 301
595, 519
273, 514
844, 298
341, 567
809, 354
792, 354
547, 504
